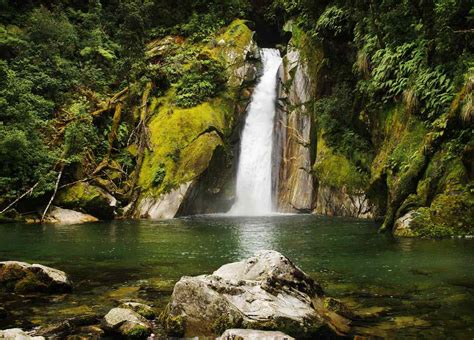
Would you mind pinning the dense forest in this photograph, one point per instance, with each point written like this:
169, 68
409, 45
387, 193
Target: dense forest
80, 79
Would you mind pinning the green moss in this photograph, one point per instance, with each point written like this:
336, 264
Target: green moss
236, 36
175, 326
402, 137
184, 139
337, 171
87, 198
30, 284
225, 322
337, 306
444, 202
312, 53
137, 332
176, 146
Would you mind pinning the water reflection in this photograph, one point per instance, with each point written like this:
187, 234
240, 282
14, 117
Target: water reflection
406, 244
255, 234
347, 256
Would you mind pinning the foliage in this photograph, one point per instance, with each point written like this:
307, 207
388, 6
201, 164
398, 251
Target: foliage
332, 23
334, 117
204, 79
159, 176
24, 157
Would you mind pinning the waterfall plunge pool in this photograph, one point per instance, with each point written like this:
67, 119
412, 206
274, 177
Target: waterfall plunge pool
421, 287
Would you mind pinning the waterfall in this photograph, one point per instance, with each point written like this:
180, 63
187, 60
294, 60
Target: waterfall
254, 192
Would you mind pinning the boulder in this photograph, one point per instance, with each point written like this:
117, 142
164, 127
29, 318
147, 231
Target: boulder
23, 277
164, 207
126, 323
247, 334
266, 291
65, 216
17, 334
403, 225
144, 310
66, 327
89, 199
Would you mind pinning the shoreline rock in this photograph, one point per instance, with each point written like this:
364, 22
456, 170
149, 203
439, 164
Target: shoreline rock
66, 216
21, 277
17, 334
238, 334
265, 292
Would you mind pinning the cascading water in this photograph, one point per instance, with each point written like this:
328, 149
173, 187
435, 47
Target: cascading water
254, 193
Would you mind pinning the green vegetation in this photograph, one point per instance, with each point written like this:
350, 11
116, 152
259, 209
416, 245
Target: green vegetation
79, 83
393, 89
132, 97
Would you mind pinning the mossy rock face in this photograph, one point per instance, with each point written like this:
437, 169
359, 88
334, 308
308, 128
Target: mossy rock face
88, 198
337, 171
184, 140
443, 204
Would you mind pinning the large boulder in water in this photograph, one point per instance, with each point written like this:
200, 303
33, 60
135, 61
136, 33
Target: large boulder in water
22, 277
266, 291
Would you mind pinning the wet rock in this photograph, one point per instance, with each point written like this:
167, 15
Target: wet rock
166, 206
17, 334
127, 323
339, 202
146, 311
65, 216
293, 182
266, 291
338, 307
23, 277
67, 327
89, 199
247, 334
403, 227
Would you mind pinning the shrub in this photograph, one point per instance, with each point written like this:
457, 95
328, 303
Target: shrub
205, 79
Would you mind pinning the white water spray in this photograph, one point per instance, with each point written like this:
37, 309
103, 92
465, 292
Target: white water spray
254, 192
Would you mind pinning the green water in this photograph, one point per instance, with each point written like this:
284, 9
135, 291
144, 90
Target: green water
424, 288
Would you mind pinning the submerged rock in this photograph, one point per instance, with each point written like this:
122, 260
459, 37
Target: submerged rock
127, 323
266, 291
65, 216
67, 327
17, 334
244, 334
23, 277
144, 310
